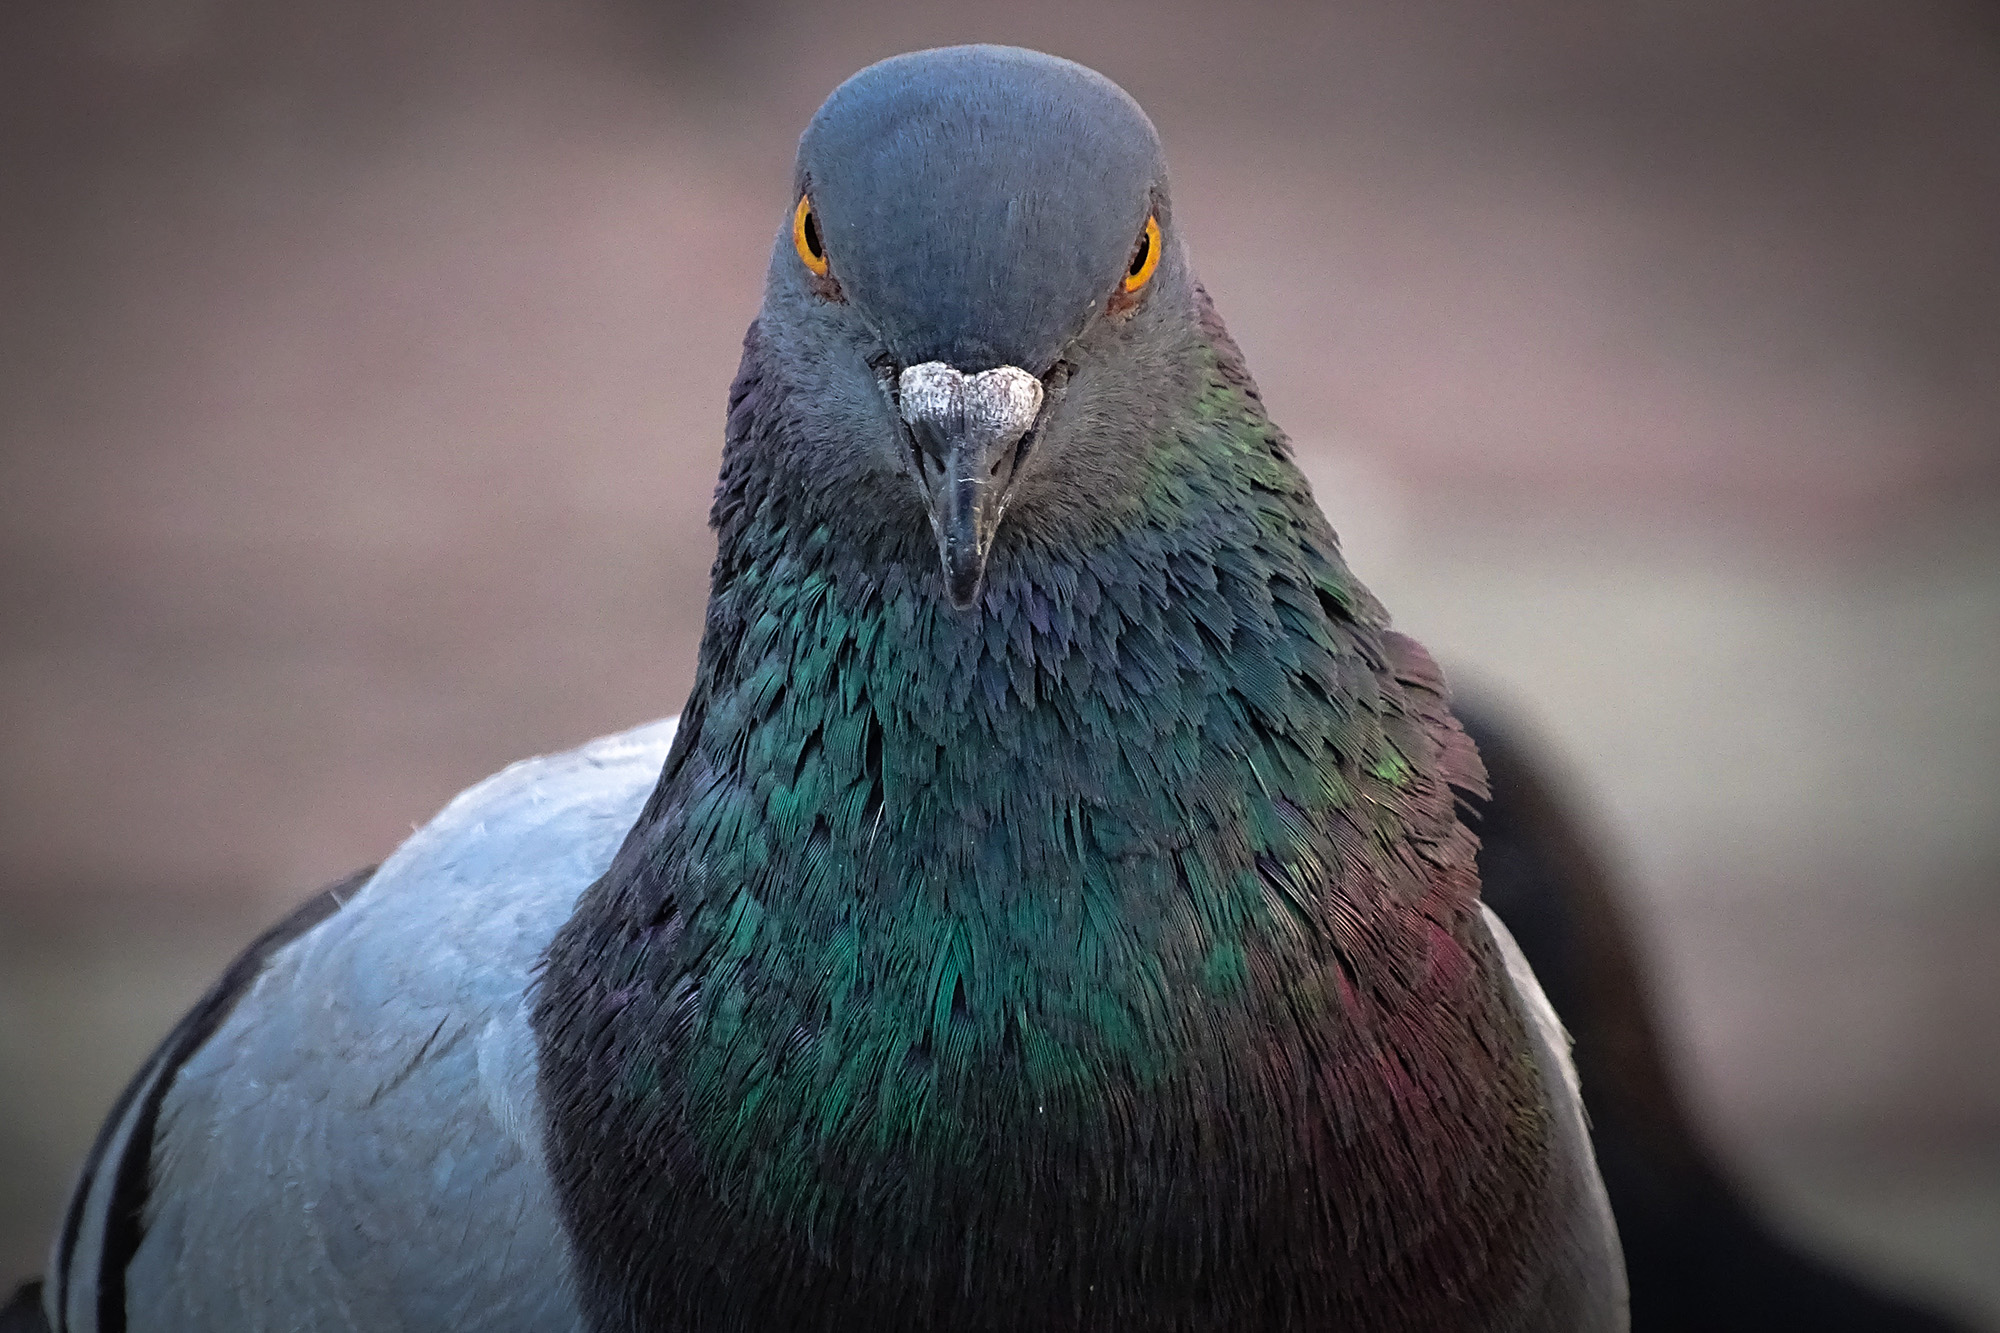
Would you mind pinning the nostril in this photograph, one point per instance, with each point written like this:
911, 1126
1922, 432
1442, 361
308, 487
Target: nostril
887, 376
1012, 458
1021, 449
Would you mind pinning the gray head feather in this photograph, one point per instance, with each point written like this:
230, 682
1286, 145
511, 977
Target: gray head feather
978, 207
979, 202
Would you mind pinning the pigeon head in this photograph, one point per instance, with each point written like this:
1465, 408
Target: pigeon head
977, 299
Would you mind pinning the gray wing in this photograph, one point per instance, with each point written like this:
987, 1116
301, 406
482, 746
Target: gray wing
344, 1135
1583, 1287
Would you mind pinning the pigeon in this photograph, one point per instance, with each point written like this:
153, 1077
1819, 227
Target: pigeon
1050, 908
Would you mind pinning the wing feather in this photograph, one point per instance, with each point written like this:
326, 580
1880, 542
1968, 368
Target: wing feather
345, 1134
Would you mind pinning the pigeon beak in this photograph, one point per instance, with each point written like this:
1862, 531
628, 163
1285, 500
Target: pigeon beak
968, 435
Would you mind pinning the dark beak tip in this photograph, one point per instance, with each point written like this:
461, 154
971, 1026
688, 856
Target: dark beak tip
962, 430
962, 579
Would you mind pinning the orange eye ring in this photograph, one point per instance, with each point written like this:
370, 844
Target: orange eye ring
806, 238
1145, 257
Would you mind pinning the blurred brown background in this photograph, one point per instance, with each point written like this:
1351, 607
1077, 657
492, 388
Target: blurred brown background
361, 381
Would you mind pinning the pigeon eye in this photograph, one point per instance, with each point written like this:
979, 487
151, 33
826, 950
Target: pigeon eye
1145, 257
805, 237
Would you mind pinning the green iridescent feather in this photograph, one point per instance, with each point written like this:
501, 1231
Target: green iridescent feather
1136, 890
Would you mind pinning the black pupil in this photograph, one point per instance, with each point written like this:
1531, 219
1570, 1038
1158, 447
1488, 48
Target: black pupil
812, 234
1139, 260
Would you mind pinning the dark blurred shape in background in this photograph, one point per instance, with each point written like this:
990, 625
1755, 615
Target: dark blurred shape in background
1699, 1255
361, 382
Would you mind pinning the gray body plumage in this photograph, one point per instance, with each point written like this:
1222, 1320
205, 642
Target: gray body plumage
358, 1145
1585, 1286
